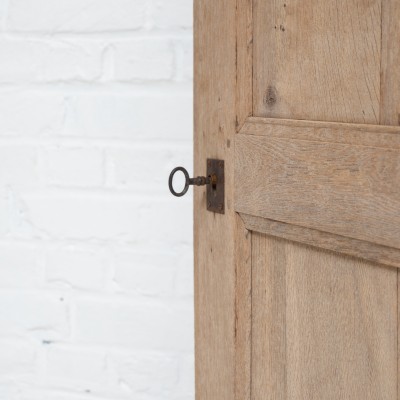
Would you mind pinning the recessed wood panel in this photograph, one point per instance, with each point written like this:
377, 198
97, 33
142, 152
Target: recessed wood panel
317, 59
324, 325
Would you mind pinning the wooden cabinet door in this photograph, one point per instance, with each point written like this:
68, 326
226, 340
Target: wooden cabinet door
296, 285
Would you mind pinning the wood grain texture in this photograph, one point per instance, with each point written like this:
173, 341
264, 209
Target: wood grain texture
269, 365
242, 244
317, 59
324, 325
390, 91
324, 61
244, 61
357, 248
223, 94
332, 132
329, 179
243, 313
390, 71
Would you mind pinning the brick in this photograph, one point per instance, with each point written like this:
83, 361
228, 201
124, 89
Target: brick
134, 273
17, 357
39, 315
75, 15
81, 269
150, 373
184, 283
146, 59
32, 393
74, 166
184, 50
31, 114
3, 8
18, 165
173, 14
77, 60
186, 376
17, 217
19, 266
77, 369
3, 12
147, 115
126, 165
108, 217
44, 60
9, 389
4, 212
140, 326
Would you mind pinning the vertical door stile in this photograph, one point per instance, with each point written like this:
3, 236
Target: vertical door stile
243, 264
222, 92
390, 102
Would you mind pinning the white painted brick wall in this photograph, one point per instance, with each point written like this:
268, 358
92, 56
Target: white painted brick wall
96, 288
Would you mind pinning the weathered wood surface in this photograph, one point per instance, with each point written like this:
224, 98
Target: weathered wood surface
332, 132
390, 93
324, 325
242, 243
332, 332
317, 60
333, 179
357, 248
223, 95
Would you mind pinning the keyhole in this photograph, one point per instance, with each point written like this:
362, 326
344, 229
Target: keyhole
213, 181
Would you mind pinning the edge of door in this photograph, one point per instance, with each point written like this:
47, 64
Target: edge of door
222, 245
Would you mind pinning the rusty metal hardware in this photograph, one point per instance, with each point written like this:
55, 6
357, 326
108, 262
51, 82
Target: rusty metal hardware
199, 181
215, 181
216, 192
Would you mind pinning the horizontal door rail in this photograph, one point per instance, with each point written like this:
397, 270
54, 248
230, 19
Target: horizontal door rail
334, 179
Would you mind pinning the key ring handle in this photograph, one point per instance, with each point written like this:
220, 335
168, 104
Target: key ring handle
171, 178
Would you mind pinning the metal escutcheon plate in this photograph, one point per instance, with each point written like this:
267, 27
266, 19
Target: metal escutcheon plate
216, 193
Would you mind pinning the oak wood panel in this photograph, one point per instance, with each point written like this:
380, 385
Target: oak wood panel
243, 313
322, 60
390, 89
242, 244
322, 179
369, 251
269, 365
332, 132
317, 59
223, 95
324, 325
390, 71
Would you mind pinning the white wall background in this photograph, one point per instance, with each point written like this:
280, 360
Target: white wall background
95, 254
